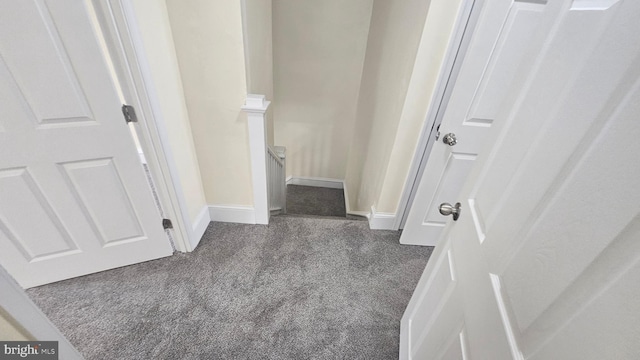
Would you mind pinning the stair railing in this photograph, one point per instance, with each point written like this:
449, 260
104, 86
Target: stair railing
276, 179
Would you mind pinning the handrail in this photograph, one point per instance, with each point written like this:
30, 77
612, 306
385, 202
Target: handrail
275, 155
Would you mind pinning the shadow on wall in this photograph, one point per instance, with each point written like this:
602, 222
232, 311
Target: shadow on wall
319, 152
318, 49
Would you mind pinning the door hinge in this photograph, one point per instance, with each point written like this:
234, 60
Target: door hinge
166, 224
129, 113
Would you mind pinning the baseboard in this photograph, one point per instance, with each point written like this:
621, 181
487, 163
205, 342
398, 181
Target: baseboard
346, 198
382, 221
348, 207
232, 214
200, 226
317, 182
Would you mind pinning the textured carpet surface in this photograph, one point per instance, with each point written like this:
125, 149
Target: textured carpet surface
311, 200
296, 289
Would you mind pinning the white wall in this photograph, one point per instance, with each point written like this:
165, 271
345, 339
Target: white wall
209, 44
318, 49
158, 44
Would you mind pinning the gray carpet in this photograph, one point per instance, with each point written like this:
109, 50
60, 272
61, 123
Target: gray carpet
310, 200
297, 289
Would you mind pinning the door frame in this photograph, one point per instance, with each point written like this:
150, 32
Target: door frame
123, 40
456, 49
28, 316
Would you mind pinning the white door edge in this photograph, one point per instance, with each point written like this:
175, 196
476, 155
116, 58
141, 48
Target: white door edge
448, 73
19, 306
138, 87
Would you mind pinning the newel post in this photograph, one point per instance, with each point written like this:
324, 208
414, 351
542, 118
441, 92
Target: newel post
256, 107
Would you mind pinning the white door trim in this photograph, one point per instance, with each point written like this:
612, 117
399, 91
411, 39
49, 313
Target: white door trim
17, 304
124, 41
450, 68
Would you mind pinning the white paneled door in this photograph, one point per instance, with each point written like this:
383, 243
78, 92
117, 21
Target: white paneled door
488, 69
544, 261
73, 195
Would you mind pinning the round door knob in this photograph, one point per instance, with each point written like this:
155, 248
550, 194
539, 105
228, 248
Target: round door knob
450, 139
447, 209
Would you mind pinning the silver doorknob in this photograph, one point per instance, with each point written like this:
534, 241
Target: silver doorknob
450, 139
446, 209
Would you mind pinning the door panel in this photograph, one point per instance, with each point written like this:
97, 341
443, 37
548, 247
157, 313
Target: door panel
457, 166
536, 277
53, 92
74, 198
545, 251
17, 186
112, 217
441, 282
488, 69
456, 349
521, 22
437, 295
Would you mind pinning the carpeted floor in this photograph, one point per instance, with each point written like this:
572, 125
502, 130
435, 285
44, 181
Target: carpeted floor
300, 288
311, 200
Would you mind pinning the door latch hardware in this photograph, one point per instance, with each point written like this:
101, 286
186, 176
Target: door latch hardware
446, 209
166, 224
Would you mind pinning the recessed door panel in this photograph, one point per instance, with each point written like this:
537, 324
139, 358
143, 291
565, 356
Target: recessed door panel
47, 81
496, 81
589, 227
456, 349
441, 285
456, 169
33, 228
105, 200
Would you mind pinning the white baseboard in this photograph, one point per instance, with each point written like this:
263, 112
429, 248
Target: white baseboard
346, 198
232, 214
317, 182
348, 207
200, 226
359, 213
382, 221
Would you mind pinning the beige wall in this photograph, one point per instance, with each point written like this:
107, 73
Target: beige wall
350, 83
10, 330
318, 49
159, 47
404, 55
436, 35
394, 34
258, 46
209, 45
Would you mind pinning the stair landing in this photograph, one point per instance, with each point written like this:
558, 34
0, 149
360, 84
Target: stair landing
315, 201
